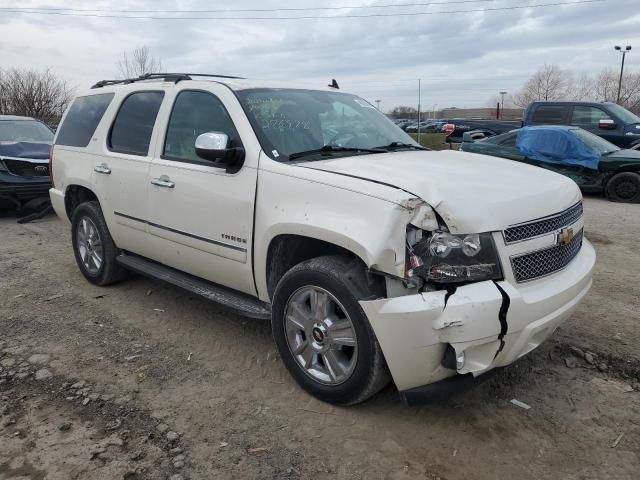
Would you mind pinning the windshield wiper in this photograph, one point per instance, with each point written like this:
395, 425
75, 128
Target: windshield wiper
330, 149
399, 145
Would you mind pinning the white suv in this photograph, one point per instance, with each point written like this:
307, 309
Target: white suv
372, 257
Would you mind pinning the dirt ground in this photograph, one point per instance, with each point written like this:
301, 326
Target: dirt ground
141, 380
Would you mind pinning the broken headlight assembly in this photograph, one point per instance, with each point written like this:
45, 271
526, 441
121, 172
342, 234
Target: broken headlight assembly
442, 257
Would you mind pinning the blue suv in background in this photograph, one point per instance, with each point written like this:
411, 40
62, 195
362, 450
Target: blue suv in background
607, 120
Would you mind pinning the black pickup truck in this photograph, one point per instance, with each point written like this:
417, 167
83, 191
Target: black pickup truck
607, 120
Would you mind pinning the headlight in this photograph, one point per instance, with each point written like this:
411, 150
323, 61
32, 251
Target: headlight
3, 167
446, 258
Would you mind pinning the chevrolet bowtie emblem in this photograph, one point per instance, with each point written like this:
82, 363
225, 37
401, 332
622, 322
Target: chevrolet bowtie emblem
565, 236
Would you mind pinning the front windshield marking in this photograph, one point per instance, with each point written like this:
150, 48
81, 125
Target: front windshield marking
289, 122
14, 131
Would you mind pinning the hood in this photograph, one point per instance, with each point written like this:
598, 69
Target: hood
620, 159
26, 150
472, 193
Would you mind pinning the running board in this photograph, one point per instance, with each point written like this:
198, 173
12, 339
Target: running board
238, 302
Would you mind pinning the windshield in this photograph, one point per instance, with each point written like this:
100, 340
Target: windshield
303, 122
625, 115
13, 131
594, 142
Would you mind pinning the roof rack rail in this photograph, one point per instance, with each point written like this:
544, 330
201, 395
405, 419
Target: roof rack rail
174, 77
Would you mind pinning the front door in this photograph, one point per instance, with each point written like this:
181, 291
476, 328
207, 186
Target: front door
201, 215
588, 118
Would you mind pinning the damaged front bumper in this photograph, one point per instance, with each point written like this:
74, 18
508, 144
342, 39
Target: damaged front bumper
492, 323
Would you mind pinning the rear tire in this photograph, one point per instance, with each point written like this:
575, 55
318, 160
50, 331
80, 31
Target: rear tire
322, 333
624, 187
93, 246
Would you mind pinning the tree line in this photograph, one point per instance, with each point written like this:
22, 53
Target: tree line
44, 95
551, 82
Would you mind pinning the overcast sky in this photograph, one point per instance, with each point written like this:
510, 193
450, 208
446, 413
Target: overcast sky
463, 59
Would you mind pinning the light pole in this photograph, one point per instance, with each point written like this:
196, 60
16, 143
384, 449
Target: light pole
624, 53
433, 110
378, 103
502, 94
419, 98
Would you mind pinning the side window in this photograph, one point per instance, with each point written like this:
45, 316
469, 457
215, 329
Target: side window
132, 128
82, 120
550, 114
193, 114
588, 116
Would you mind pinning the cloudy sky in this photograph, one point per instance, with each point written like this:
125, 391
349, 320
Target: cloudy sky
464, 51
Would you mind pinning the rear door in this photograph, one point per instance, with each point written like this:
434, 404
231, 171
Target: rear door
201, 215
121, 172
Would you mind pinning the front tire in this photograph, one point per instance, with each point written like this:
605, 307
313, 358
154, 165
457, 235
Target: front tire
322, 333
93, 246
624, 187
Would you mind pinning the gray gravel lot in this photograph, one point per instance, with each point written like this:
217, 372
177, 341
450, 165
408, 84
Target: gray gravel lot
141, 380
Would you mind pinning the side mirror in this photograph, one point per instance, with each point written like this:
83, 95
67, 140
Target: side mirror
607, 124
214, 146
470, 137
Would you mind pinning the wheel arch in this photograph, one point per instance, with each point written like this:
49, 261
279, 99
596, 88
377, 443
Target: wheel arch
286, 250
75, 195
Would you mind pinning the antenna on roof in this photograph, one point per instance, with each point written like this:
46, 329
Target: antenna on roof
334, 84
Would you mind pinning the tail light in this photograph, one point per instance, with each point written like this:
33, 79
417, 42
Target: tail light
448, 129
51, 166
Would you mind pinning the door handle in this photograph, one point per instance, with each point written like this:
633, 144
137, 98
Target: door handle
163, 181
102, 168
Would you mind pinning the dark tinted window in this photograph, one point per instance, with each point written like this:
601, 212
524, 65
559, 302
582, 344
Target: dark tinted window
195, 113
82, 119
550, 114
132, 128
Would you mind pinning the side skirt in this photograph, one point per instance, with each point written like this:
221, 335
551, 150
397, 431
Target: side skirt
238, 302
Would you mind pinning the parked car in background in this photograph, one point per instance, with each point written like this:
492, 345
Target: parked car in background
426, 126
454, 129
607, 120
24, 160
596, 165
373, 258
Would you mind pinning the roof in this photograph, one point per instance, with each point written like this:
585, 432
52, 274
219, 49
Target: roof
568, 102
234, 83
14, 117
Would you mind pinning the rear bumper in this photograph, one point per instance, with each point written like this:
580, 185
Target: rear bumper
414, 330
57, 202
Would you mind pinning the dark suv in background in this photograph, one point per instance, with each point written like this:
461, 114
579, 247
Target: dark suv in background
24, 160
607, 120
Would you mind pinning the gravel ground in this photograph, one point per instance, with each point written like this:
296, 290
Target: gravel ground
141, 380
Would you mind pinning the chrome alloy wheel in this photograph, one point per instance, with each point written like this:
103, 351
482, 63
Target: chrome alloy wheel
320, 335
89, 245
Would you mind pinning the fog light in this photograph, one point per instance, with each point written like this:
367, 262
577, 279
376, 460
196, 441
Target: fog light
459, 361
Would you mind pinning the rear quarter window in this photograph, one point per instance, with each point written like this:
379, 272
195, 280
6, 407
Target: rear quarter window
550, 114
132, 128
82, 119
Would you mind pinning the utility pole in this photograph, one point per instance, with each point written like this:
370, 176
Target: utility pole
624, 53
419, 98
378, 103
502, 94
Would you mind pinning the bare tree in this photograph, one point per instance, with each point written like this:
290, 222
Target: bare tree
138, 61
550, 82
33, 93
404, 112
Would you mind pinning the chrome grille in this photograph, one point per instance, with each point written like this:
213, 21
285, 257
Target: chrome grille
540, 263
543, 226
